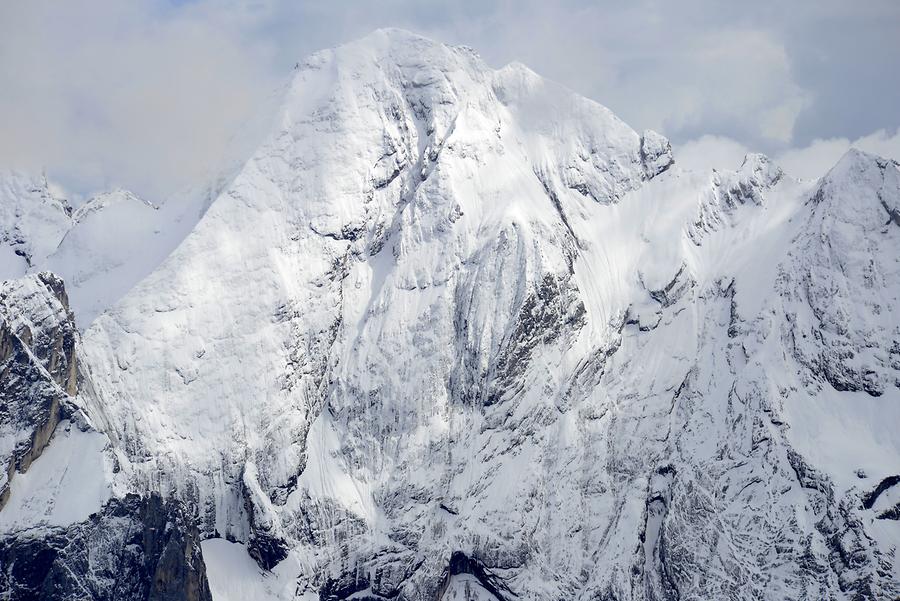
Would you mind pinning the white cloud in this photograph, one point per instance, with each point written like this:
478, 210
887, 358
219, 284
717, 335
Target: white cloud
814, 160
881, 143
742, 77
656, 65
710, 152
808, 162
106, 93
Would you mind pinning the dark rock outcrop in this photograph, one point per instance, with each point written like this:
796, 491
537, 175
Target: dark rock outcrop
38, 368
136, 548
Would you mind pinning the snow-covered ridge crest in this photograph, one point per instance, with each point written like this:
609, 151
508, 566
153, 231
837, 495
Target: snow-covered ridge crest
729, 191
108, 199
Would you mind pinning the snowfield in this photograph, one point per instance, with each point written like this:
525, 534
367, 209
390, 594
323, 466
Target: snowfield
453, 332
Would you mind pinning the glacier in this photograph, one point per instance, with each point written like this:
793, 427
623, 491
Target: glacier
454, 332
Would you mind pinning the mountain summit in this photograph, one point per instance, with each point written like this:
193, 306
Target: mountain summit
458, 333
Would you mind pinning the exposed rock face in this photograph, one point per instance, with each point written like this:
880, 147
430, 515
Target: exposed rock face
38, 368
135, 549
656, 153
729, 192
495, 343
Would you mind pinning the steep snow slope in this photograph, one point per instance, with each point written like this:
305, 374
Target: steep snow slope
65, 485
116, 239
234, 576
451, 328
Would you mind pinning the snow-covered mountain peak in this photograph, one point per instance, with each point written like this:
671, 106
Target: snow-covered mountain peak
761, 168
861, 189
405, 99
859, 167
17, 184
399, 174
744, 195
656, 153
450, 328
854, 161
396, 47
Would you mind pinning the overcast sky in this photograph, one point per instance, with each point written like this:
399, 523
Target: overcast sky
144, 94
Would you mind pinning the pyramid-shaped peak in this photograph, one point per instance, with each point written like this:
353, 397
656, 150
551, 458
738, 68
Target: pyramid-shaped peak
856, 160
861, 186
384, 110
859, 167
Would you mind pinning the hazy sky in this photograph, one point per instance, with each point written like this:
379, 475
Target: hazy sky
145, 93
